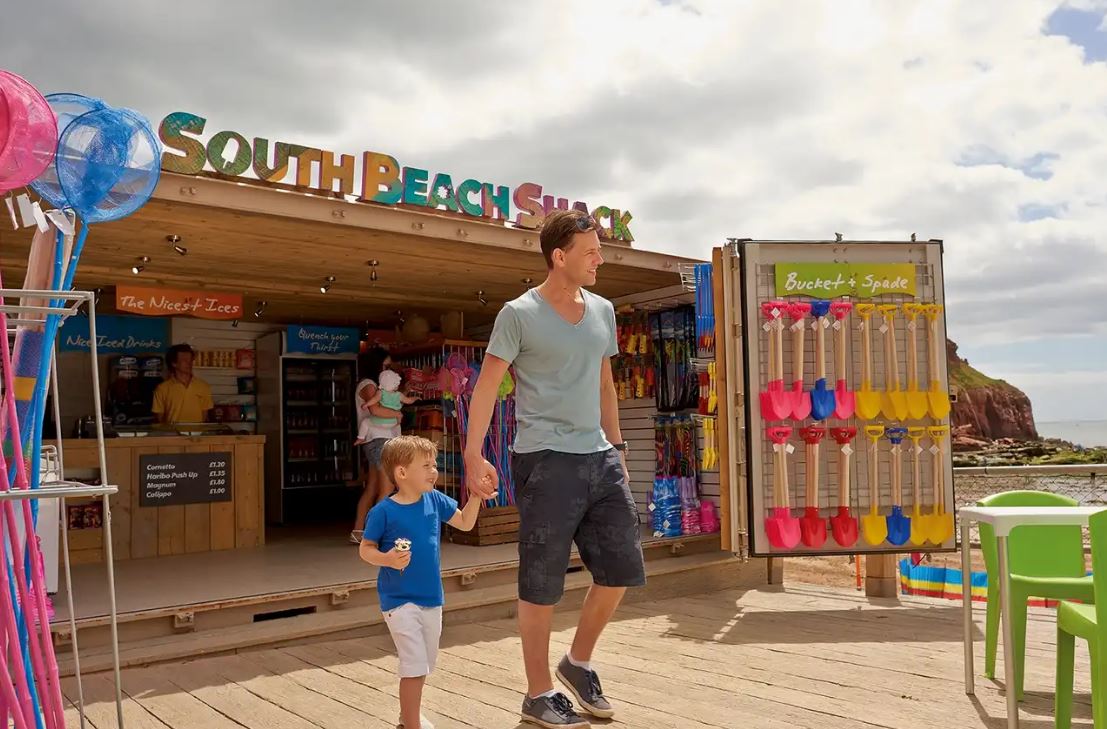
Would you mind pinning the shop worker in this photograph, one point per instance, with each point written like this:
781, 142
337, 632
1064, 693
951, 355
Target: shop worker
183, 397
568, 463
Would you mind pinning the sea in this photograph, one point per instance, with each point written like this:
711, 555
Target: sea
1087, 433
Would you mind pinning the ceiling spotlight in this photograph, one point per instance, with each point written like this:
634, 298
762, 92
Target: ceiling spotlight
480, 297
181, 250
326, 284
373, 275
528, 281
260, 308
173, 238
141, 265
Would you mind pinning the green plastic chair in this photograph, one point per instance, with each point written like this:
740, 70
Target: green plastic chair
1080, 620
1045, 562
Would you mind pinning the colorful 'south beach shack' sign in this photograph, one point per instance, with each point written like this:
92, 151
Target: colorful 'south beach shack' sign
382, 178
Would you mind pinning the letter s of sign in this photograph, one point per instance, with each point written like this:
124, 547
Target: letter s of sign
172, 134
528, 198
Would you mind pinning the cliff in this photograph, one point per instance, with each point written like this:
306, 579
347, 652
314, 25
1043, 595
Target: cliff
985, 409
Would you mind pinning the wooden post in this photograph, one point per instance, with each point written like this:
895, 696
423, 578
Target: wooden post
722, 419
880, 575
774, 570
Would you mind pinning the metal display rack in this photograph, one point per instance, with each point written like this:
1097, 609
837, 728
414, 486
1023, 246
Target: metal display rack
65, 304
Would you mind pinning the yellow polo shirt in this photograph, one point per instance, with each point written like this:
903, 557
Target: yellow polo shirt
182, 403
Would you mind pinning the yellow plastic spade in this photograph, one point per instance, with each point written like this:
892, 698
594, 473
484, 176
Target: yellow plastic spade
917, 402
920, 523
874, 527
938, 398
893, 403
942, 527
867, 401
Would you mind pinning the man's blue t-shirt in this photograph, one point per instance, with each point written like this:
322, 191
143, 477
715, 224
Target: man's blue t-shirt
421, 581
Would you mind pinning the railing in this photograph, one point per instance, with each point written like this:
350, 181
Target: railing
1085, 483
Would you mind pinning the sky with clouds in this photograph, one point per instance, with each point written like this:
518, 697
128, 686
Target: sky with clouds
979, 122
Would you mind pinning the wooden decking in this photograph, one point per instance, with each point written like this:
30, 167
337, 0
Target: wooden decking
800, 657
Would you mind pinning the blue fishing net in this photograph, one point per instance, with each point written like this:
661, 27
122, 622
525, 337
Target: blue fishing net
66, 107
108, 164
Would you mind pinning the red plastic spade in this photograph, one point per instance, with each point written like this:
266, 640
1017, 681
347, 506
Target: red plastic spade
801, 401
776, 404
782, 529
812, 526
844, 400
843, 525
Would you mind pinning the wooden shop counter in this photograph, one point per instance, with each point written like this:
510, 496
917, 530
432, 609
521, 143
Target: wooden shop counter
177, 495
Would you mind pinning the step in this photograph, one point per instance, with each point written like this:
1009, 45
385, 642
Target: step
367, 620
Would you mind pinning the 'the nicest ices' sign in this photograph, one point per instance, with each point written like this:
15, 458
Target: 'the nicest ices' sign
173, 302
116, 335
322, 340
860, 280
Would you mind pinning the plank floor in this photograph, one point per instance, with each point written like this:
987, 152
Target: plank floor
778, 659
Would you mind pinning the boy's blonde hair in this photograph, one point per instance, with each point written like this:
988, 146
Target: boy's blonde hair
402, 451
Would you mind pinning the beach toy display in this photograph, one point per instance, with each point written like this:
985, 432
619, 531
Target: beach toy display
850, 505
93, 163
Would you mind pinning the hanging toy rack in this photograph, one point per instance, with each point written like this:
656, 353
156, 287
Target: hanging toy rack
64, 304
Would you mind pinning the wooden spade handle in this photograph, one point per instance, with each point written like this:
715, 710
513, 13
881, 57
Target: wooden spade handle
812, 467
893, 362
866, 353
874, 477
772, 351
912, 348
840, 351
787, 500
936, 464
932, 342
797, 351
897, 475
917, 475
843, 475
778, 326
820, 350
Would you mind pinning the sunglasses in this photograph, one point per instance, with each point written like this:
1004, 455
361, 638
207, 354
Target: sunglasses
585, 224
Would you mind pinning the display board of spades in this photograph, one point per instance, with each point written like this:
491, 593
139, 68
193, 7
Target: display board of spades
847, 416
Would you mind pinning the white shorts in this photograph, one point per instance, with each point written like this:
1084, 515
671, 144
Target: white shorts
416, 631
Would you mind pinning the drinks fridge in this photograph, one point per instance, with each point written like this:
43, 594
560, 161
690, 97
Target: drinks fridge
306, 411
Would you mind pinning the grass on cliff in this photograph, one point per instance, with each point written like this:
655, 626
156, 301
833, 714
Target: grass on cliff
965, 377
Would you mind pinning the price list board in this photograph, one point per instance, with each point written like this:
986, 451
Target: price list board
173, 479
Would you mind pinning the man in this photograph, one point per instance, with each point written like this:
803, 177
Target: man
183, 398
568, 462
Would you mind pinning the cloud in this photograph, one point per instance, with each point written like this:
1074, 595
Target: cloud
978, 123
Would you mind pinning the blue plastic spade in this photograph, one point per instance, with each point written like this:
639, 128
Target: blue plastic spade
899, 526
822, 399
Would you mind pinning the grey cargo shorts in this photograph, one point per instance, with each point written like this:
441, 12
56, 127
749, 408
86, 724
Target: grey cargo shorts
565, 498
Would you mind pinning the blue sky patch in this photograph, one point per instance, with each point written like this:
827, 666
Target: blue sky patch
1083, 28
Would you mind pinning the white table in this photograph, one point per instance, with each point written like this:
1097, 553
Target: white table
1003, 519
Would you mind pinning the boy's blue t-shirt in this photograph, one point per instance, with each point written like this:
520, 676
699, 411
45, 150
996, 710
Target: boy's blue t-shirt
421, 581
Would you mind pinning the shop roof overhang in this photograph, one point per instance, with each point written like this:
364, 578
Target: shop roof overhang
279, 245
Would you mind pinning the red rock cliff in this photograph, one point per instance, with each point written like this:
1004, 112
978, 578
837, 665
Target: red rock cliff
986, 408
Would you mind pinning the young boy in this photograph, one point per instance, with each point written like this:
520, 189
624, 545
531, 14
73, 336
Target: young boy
401, 537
